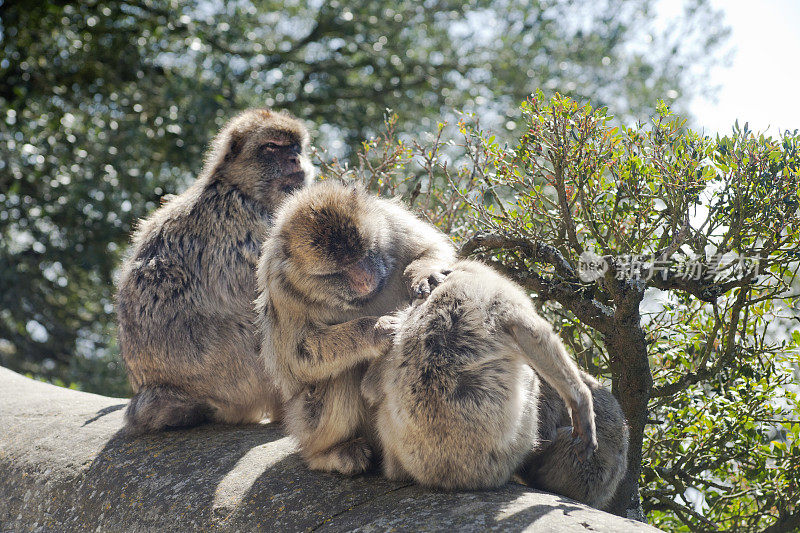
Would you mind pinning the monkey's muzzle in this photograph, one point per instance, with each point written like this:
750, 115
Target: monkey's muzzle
292, 182
362, 278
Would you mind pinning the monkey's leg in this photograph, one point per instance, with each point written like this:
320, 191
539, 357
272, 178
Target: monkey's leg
233, 382
330, 421
557, 468
248, 402
245, 413
156, 407
393, 470
371, 383
274, 407
350, 457
544, 352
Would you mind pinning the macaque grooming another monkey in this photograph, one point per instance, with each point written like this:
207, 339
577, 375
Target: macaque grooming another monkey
336, 260
476, 382
185, 293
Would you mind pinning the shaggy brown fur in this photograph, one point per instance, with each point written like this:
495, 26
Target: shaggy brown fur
459, 407
336, 260
185, 294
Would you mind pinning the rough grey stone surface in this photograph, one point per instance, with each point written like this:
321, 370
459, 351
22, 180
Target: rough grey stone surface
65, 466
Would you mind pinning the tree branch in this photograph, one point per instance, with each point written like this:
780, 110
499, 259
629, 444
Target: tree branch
700, 289
690, 378
705, 290
566, 292
533, 250
786, 523
672, 505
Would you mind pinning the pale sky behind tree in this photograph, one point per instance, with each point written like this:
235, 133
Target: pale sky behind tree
761, 84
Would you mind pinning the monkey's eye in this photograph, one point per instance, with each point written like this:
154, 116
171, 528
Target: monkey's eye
332, 277
270, 146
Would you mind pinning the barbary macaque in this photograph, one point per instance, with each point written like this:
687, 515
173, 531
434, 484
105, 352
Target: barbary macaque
338, 259
186, 291
476, 384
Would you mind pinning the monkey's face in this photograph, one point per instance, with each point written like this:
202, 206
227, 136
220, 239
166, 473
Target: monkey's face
283, 161
270, 159
276, 164
339, 247
355, 280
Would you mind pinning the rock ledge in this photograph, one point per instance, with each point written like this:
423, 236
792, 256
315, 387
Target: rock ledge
64, 466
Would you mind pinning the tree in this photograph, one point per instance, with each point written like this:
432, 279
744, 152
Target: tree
667, 258
106, 107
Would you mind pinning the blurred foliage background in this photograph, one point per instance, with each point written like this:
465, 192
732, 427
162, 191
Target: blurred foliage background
106, 106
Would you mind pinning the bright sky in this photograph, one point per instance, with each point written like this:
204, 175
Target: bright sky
762, 84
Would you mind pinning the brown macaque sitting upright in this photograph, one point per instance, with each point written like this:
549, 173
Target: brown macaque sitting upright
186, 291
337, 260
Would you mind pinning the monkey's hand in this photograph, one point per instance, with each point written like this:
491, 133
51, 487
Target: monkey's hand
423, 276
584, 435
385, 329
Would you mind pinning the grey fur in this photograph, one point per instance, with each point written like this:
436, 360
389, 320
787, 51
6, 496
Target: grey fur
553, 465
185, 293
459, 407
318, 336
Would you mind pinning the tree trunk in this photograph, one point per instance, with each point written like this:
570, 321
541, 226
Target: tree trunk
632, 382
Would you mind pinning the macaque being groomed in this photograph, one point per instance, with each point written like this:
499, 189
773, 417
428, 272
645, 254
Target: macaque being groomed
185, 293
336, 260
476, 382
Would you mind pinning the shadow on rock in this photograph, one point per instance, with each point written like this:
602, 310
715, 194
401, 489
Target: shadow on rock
147, 478
103, 412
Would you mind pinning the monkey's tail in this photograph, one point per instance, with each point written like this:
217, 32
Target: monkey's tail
157, 407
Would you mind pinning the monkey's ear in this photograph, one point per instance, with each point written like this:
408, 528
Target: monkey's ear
234, 148
225, 147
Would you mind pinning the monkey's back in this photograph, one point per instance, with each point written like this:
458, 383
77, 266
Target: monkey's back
457, 384
185, 292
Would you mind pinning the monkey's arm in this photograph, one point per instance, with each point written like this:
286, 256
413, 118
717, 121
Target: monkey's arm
547, 355
431, 264
324, 352
426, 252
371, 383
371, 388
